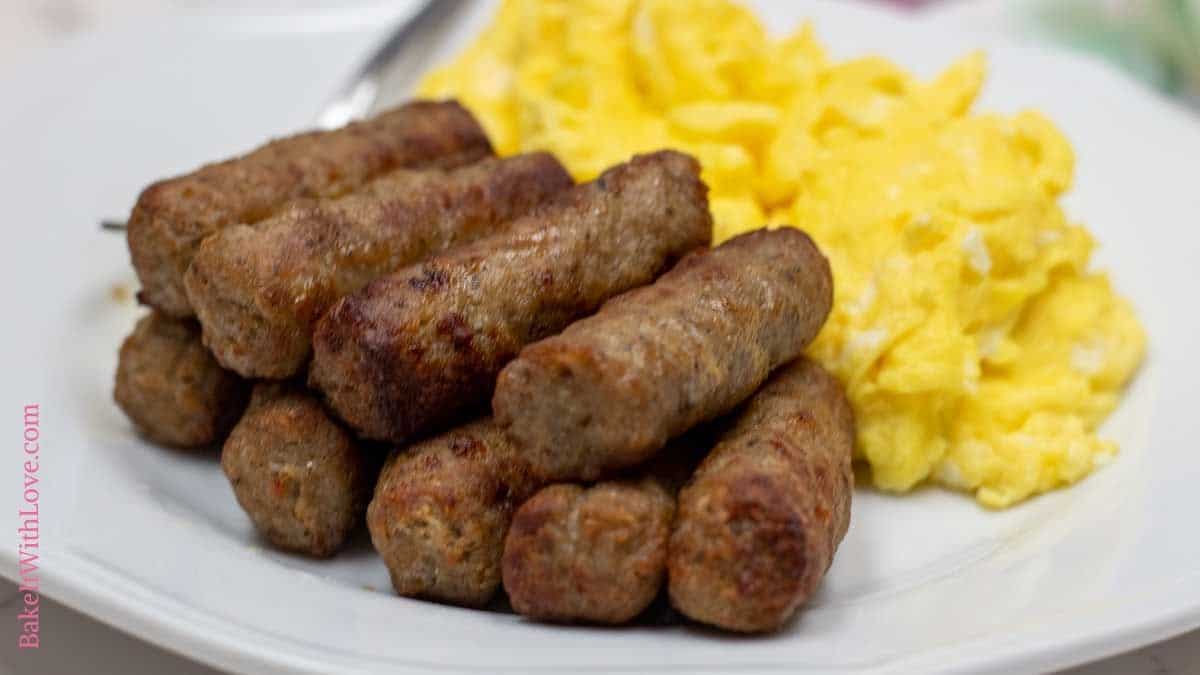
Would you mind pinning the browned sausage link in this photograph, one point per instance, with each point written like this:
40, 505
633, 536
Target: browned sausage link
611, 389
759, 523
597, 554
258, 289
173, 216
300, 477
412, 350
172, 389
441, 509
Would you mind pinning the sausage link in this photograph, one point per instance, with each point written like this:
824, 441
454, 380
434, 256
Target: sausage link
259, 289
171, 387
597, 554
440, 511
173, 216
760, 521
300, 477
611, 389
412, 350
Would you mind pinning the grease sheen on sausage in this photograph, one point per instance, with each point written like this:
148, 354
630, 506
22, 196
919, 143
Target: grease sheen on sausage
611, 389
259, 289
412, 350
758, 525
173, 216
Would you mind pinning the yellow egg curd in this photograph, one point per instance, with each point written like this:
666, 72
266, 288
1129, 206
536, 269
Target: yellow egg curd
976, 346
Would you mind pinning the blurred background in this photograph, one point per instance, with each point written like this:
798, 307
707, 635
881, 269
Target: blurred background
1157, 41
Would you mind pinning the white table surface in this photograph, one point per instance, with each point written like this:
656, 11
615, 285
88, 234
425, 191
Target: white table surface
74, 643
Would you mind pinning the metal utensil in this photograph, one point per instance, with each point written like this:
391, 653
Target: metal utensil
406, 48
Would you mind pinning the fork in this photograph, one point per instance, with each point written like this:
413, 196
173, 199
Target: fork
407, 45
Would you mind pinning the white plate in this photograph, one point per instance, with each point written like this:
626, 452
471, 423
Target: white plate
152, 541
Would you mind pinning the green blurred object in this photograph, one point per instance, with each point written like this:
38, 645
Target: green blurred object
1156, 40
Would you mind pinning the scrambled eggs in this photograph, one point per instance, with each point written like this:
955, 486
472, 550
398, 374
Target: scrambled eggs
976, 347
